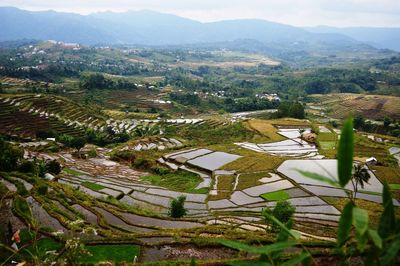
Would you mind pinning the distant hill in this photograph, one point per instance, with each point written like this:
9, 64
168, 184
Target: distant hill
378, 37
152, 28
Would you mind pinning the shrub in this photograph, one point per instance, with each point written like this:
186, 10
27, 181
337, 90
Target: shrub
177, 209
125, 155
46, 134
160, 170
141, 163
283, 211
42, 189
21, 207
92, 153
27, 167
41, 167
53, 167
3, 189
9, 156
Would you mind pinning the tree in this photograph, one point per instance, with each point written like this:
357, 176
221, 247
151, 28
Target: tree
297, 111
10, 156
177, 209
27, 167
53, 167
359, 122
290, 109
96, 81
360, 176
78, 143
41, 167
387, 121
73, 142
283, 211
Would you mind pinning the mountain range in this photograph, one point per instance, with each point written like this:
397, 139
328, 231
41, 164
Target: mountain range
157, 29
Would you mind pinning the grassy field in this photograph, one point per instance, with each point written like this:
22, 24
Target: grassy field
327, 137
224, 187
93, 186
341, 105
275, 196
177, 181
385, 173
327, 145
265, 128
247, 180
72, 171
374, 209
42, 246
114, 253
254, 162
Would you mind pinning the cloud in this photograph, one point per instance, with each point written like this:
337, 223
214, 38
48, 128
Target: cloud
294, 12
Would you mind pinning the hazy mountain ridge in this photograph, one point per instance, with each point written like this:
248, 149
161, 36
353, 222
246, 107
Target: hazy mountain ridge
388, 38
152, 28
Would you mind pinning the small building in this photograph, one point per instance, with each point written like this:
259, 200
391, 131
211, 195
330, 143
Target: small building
371, 161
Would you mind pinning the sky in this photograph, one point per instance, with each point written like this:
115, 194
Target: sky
339, 13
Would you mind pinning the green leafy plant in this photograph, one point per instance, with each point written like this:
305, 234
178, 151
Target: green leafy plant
283, 211
53, 167
360, 176
273, 254
177, 208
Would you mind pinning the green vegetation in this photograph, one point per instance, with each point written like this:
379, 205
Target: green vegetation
42, 189
275, 196
386, 173
3, 189
326, 137
291, 109
40, 248
115, 253
177, 180
177, 208
394, 186
93, 186
53, 167
72, 171
10, 156
283, 212
21, 207
98, 81
327, 145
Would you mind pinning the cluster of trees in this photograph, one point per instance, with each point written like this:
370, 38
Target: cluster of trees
186, 98
228, 104
52, 73
10, 156
40, 167
98, 81
389, 127
11, 159
248, 104
109, 136
291, 109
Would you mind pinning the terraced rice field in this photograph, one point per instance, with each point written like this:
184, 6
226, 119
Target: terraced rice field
293, 146
328, 168
370, 106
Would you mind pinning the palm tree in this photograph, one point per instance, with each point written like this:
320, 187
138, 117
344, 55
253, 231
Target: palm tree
360, 176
